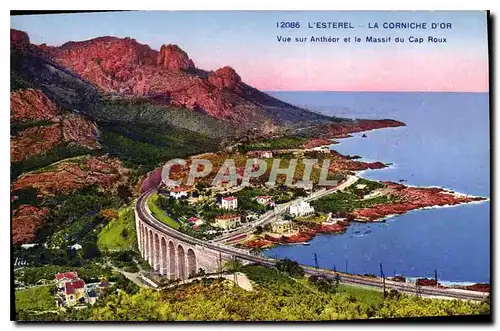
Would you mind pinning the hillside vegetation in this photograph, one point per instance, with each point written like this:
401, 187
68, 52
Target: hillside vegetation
276, 297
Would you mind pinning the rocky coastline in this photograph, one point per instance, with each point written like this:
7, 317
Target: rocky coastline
406, 198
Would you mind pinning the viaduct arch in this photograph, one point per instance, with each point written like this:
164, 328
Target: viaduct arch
172, 253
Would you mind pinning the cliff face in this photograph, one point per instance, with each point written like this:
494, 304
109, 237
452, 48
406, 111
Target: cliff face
73, 174
124, 66
225, 77
44, 126
63, 178
172, 57
31, 105
19, 40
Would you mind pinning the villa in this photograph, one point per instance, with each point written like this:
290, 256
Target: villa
71, 289
195, 221
229, 203
283, 226
227, 221
179, 192
303, 208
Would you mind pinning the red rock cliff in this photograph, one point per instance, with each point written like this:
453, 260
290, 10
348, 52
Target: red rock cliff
224, 77
172, 57
19, 40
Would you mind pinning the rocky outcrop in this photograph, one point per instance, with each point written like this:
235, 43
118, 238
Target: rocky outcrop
410, 198
346, 163
34, 141
25, 220
46, 126
342, 129
172, 57
258, 243
74, 174
37, 140
31, 105
19, 41
80, 131
224, 77
317, 142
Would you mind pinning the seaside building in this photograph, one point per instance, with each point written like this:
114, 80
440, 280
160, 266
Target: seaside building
303, 208
229, 203
227, 221
283, 226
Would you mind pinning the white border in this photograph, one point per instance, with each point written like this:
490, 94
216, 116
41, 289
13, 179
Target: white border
195, 5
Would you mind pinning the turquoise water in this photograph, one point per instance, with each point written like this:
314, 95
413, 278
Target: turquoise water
446, 144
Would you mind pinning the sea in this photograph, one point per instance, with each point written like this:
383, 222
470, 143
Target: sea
445, 143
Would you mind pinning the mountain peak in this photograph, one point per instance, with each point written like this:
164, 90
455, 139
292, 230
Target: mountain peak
224, 77
19, 40
172, 57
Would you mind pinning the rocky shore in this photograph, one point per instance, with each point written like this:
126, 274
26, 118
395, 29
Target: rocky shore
411, 198
406, 199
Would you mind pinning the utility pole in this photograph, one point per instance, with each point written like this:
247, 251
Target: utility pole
234, 271
316, 264
346, 266
220, 265
436, 276
383, 277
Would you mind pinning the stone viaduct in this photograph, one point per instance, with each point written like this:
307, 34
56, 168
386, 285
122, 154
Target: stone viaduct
174, 254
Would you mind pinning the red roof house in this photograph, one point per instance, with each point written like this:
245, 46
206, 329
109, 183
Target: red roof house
67, 275
70, 287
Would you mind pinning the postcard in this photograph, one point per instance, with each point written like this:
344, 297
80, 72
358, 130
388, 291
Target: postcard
250, 166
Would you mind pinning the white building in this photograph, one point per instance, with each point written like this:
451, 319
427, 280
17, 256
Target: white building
230, 203
303, 208
178, 192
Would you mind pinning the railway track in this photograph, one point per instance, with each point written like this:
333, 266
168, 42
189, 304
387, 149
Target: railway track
349, 279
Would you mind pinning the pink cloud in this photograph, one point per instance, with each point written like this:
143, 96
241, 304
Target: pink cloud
440, 71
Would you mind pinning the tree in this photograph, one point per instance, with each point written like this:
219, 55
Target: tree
290, 267
90, 250
124, 233
258, 230
124, 193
